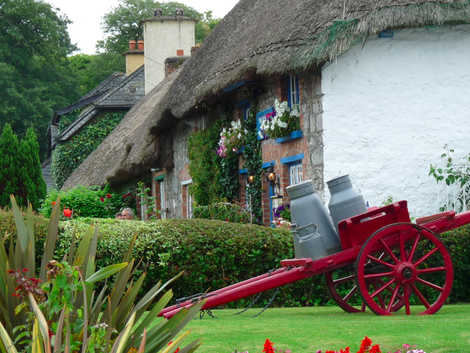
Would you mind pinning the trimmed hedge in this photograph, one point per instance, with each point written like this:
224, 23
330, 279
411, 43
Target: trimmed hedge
215, 254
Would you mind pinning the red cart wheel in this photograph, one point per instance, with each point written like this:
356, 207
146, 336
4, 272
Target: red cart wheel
342, 288
404, 262
341, 285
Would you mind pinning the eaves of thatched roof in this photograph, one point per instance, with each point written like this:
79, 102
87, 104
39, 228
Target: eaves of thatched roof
266, 37
132, 149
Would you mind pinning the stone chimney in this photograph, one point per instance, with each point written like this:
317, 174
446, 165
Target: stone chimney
134, 57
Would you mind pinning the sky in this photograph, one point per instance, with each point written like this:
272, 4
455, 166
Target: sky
87, 16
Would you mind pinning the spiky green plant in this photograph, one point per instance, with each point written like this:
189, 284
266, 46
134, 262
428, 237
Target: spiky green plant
69, 308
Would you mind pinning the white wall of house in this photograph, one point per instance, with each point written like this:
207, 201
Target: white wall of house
389, 107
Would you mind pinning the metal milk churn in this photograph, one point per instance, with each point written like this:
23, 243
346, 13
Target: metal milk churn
313, 230
345, 201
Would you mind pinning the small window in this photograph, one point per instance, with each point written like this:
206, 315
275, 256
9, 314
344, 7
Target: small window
293, 89
162, 200
189, 206
296, 174
245, 105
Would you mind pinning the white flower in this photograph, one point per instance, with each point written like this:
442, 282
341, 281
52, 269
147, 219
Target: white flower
239, 135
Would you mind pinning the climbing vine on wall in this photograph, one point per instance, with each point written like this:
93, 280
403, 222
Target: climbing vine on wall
214, 177
69, 155
254, 163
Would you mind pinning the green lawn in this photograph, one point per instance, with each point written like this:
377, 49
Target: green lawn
307, 330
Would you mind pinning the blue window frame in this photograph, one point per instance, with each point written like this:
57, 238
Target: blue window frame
246, 107
293, 90
260, 117
296, 173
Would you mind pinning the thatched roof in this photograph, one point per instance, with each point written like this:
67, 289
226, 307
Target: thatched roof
132, 148
258, 37
274, 36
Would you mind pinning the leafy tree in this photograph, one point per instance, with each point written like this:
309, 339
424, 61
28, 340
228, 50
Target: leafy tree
123, 22
20, 169
32, 186
91, 70
34, 76
9, 171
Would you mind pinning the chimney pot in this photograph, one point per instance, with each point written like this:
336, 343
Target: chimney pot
140, 45
179, 12
132, 45
158, 12
179, 52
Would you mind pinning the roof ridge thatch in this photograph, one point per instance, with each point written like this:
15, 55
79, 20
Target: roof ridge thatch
295, 38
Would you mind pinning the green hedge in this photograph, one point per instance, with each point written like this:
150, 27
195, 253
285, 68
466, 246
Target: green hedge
215, 254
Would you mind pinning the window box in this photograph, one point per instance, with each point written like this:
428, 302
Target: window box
292, 136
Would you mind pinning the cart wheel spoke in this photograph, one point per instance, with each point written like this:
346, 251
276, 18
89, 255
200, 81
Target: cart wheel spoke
344, 283
394, 296
413, 249
378, 295
414, 266
407, 299
420, 296
425, 257
376, 260
429, 284
389, 251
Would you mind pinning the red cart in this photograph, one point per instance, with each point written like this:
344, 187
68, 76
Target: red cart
387, 260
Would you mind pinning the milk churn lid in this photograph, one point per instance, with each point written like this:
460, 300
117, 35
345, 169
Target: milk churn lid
338, 180
301, 189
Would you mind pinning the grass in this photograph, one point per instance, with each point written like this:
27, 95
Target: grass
307, 330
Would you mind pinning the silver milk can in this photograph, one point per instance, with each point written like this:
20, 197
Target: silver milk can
309, 216
345, 201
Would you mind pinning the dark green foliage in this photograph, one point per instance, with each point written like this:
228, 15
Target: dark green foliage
204, 166
90, 202
216, 254
32, 187
254, 162
34, 76
69, 155
214, 177
222, 211
91, 70
9, 166
458, 243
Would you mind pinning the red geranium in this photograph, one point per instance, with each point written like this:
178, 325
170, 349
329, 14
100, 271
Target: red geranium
124, 196
108, 196
102, 199
67, 212
268, 346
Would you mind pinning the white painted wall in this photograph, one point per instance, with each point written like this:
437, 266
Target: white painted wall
162, 40
390, 107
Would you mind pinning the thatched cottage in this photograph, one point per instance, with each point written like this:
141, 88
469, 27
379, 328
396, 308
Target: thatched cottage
382, 87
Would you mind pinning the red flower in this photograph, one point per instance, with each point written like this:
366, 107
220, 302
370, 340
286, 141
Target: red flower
102, 199
268, 346
124, 196
67, 212
53, 203
375, 349
108, 196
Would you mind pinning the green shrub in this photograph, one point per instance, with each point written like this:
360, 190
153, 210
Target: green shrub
215, 254
458, 243
222, 211
90, 202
